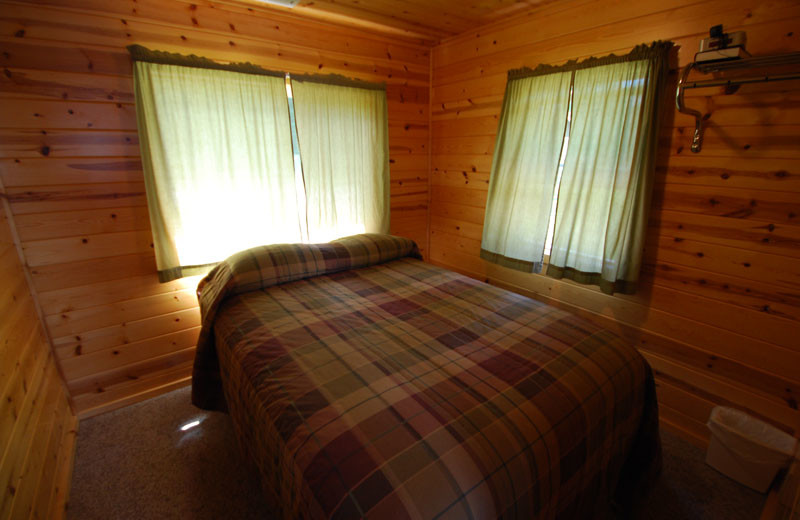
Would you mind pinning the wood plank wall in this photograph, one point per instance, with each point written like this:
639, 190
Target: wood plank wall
37, 426
69, 157
718, 315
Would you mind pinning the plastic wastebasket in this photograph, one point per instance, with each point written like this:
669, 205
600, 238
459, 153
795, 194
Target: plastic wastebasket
746, 449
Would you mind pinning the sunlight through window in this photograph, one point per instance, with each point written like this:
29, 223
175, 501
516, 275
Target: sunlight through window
551, 226
190, 425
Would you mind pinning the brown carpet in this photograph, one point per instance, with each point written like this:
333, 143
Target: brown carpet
136, 463
692, 490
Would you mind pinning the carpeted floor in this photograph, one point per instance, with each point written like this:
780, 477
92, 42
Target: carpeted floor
136, 463
692, 490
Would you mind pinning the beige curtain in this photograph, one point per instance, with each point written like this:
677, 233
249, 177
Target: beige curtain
344, 146
524, 168
217, 158
605, 187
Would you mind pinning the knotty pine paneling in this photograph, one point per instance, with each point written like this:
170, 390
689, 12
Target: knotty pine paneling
69, 158
429, 21
37, 426
718, 312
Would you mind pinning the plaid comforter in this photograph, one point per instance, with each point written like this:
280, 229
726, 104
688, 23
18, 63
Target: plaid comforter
366, 383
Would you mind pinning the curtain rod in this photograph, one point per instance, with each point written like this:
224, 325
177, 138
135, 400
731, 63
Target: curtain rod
640, 52
337, 80
141, 53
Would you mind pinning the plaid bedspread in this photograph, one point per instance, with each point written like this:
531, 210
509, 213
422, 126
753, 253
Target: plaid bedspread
366, 383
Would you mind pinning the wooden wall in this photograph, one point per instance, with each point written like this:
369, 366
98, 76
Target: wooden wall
69, 157
37, 426
718, 314
719, 310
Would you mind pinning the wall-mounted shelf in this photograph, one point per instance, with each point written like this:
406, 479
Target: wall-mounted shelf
721, 67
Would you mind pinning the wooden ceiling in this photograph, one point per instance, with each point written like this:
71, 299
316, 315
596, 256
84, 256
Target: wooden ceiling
426, 20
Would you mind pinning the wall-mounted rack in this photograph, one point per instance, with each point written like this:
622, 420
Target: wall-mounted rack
755, 62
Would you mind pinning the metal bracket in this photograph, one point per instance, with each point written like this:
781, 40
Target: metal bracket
731, 85
697, 139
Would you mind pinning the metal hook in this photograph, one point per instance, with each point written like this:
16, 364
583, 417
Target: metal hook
731, 84
697, 139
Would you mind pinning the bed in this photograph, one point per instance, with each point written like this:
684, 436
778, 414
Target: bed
364, 382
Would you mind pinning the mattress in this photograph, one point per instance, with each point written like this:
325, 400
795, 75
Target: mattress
366, 383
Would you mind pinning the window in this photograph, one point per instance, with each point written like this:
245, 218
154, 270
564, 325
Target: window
572, 170
342, 132
235, 159
551, 219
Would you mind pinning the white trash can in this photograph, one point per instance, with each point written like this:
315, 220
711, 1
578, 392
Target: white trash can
746, 449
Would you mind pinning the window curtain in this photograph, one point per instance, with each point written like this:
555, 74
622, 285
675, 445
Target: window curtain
605, 189
524, 168
342, 129
604, 193
217, 158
